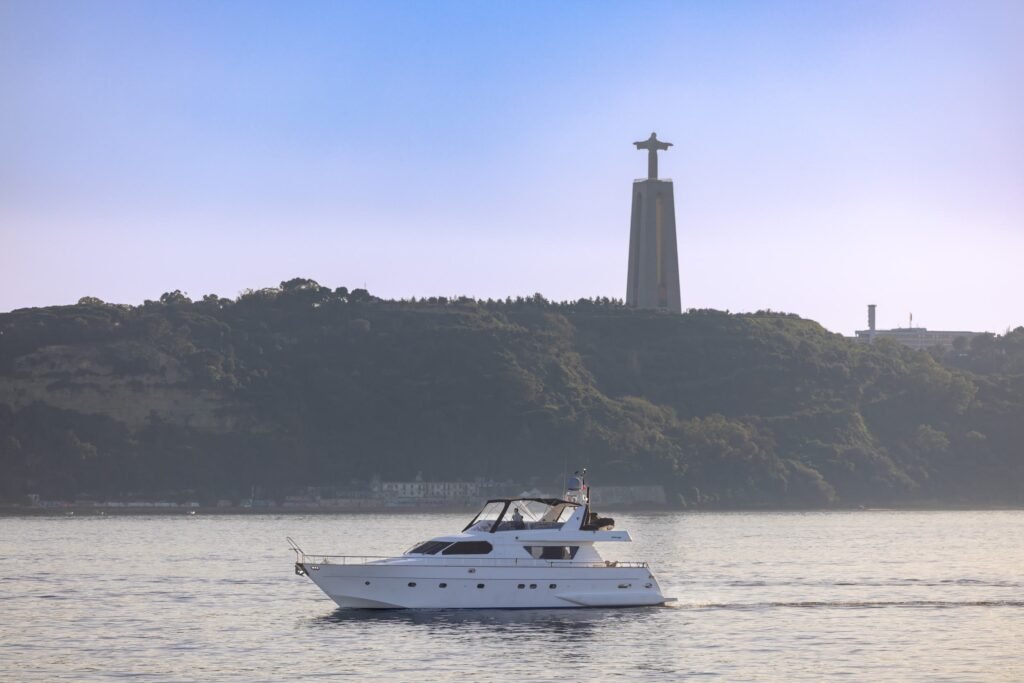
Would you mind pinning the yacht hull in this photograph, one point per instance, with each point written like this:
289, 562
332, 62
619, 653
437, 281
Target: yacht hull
382, 586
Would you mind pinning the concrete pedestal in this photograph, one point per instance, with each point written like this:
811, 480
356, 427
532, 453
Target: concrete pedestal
653, 280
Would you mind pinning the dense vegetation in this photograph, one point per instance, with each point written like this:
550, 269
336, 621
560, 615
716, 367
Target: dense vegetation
304, 384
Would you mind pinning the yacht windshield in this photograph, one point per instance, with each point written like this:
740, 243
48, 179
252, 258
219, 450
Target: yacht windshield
522, 513
488, 516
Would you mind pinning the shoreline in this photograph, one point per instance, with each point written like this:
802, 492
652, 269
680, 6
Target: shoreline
184, 511
90, 511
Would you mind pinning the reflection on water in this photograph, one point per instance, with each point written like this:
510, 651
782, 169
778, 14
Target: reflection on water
527, 622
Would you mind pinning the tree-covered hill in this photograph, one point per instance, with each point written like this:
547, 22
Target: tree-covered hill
304, 384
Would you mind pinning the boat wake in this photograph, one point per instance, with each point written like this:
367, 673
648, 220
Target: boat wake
851, 604
868, 583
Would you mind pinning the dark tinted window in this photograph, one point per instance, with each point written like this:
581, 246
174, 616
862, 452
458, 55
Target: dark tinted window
428, 548
468, 548
553, 552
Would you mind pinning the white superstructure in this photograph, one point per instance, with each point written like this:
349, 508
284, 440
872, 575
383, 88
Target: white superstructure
516, 553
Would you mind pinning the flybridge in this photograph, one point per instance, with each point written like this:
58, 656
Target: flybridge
500, 514
543, 520
569, 514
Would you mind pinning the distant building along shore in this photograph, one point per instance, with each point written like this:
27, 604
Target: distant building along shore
378, 495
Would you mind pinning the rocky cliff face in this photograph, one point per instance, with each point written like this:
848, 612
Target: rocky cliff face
128, 382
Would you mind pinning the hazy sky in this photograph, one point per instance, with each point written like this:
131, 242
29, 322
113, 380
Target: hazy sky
827, 154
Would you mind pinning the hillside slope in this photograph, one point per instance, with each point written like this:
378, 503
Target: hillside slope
307, 385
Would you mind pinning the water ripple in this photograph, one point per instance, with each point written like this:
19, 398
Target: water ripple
766, 597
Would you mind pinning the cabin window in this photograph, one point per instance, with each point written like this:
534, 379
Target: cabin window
479, 585
429, 548
533, 585
522, 585
442, 585
553, 585
468, 548
412, 584
553, 552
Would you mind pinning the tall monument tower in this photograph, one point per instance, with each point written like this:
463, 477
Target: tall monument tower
653, 260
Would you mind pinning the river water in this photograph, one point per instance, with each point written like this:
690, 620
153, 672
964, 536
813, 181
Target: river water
856, 596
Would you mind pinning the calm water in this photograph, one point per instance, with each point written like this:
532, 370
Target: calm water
863, 596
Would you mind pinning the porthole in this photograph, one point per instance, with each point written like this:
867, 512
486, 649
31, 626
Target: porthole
442, 585
366, 582
553, 585
533, 585
479, 585
522, 585
412, 584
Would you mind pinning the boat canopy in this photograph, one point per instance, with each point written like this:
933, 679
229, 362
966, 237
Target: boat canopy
504, 514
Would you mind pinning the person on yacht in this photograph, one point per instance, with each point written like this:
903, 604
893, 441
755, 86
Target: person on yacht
517, 519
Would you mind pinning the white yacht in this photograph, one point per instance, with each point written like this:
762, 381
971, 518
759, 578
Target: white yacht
515, 553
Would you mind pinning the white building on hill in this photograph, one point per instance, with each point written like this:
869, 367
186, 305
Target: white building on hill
914, 337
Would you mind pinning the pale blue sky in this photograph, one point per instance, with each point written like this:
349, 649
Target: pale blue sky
827, 154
